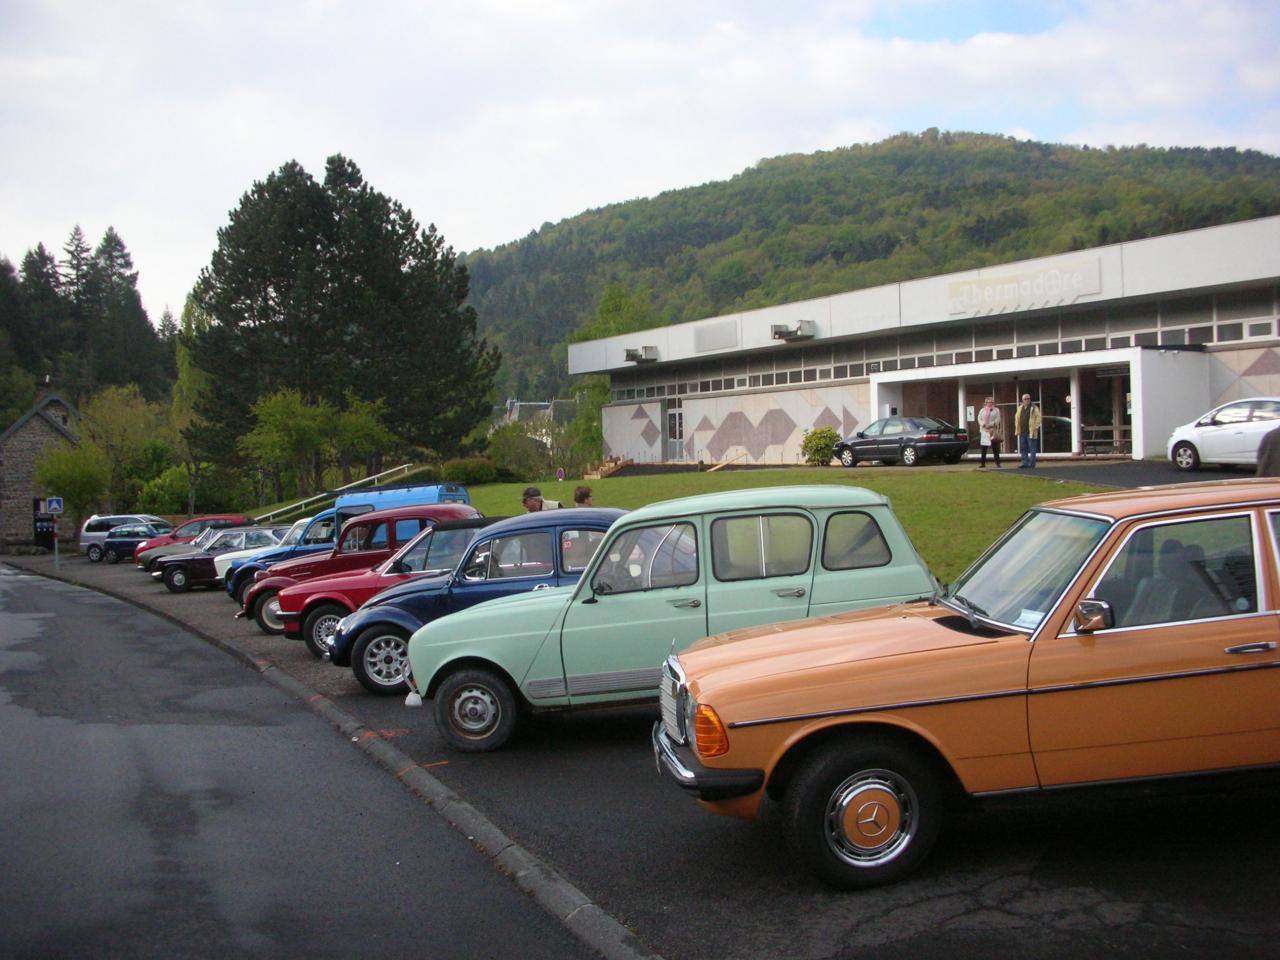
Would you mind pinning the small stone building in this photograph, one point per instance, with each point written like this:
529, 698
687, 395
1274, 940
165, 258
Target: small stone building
48, 422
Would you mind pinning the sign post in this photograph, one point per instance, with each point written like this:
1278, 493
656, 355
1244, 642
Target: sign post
53, 505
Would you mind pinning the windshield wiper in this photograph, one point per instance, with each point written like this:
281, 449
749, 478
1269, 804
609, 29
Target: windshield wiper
974, 610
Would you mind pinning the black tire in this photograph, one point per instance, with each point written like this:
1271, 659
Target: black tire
177, 580
910, 456
266, 613
378, 659
319, 625
1186, 457
242, 591
847, 459
475, 710
863, 812
110, 555
94, 552
953, 457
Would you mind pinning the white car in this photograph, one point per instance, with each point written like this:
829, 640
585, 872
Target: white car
1230, 433
278, 536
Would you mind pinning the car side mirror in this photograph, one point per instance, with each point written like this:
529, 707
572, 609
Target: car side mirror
860, 435
1091, 615
398, 566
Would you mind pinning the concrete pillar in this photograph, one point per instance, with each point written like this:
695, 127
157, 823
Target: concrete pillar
1076, 405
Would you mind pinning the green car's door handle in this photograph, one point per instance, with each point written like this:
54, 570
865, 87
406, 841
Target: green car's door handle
685, 603
797, 592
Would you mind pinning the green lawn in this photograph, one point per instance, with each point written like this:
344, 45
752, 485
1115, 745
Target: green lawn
951, 515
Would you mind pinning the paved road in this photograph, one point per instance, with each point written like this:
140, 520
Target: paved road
1147, 873
161, 800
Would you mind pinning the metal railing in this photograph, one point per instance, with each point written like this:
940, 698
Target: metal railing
329, 494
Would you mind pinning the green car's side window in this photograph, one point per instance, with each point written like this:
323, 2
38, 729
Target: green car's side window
755, 547
854, 541
649, 558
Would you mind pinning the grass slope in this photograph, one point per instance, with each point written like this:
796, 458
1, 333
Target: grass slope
951, 516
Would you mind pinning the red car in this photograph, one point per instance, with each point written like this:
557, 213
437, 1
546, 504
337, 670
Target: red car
365, 541
313, 608
186, 532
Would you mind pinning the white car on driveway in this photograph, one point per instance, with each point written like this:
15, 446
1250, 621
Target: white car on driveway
1230, 433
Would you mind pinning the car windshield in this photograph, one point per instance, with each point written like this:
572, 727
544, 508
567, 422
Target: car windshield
433, 550
1018, 581
226, 540
295, 533
202, 541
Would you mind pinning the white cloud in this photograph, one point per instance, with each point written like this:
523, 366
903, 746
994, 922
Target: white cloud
490, 117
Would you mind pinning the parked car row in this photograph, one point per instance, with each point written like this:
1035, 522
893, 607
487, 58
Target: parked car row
798, 649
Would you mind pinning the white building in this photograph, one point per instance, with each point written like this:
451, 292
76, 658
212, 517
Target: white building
1118, 344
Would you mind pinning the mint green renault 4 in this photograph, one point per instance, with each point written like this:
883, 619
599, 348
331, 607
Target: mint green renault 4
664, 576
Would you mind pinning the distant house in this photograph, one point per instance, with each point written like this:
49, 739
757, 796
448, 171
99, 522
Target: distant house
48, 422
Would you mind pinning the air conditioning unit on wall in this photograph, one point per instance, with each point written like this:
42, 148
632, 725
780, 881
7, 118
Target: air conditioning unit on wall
803, 330
641, 354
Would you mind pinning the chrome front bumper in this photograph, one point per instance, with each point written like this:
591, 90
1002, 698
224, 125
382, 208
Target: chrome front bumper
679, 764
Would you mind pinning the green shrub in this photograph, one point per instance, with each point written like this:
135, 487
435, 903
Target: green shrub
818, 445
471, 471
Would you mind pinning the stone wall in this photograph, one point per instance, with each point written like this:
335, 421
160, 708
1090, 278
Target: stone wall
18, 456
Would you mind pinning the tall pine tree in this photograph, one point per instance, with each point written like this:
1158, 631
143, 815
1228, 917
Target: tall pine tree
330, 287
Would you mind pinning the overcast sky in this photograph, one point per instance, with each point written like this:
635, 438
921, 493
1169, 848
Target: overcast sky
492, 117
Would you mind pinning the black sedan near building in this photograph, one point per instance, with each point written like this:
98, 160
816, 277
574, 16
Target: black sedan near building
905, 440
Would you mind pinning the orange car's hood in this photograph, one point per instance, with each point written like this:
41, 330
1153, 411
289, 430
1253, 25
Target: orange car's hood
779, 648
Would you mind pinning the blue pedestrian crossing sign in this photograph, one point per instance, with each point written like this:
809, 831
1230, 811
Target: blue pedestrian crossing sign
53, 505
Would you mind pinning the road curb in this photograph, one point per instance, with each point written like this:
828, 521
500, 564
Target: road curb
548, 888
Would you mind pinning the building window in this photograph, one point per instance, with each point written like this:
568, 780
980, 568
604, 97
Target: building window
855, 370
908, 363
1260, 329
824, 373
1144, 339
981, 355
1027, 350
766, 379
1096, 343
927, 361
1072, 346
842, 372
705, 386
1004, 353
810, 375
1200, 335
1173, 337
795, 375
945, 359
887, 365
1230, 331
965, 357
1119, 342
754, 379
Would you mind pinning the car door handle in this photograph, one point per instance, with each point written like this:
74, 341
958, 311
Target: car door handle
1262, 646
685, 603
796, 592
541, 586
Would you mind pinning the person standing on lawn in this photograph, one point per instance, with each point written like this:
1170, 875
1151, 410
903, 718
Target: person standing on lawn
1027, 422
989, 427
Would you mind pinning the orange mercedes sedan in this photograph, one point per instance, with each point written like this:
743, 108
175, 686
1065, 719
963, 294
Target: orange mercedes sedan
1105, 638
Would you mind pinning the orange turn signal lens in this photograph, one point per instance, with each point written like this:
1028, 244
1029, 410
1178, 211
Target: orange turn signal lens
712, 738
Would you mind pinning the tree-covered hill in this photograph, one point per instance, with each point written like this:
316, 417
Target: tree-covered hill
796, 227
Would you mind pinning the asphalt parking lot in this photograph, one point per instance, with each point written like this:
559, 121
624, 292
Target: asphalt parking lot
1071, 874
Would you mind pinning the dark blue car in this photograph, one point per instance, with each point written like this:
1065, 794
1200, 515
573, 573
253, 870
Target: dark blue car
122, 540
535, 551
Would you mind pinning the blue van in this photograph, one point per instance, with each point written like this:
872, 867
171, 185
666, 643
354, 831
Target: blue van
383, 498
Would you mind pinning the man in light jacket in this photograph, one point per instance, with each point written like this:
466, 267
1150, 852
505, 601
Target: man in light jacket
1026, 422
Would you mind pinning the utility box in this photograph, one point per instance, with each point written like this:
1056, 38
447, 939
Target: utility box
44, 525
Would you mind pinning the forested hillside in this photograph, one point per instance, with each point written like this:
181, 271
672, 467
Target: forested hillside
796, 227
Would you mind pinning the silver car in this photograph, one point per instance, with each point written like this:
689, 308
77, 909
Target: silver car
96, 528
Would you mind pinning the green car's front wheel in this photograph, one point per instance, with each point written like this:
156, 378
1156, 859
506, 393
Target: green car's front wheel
475, 710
